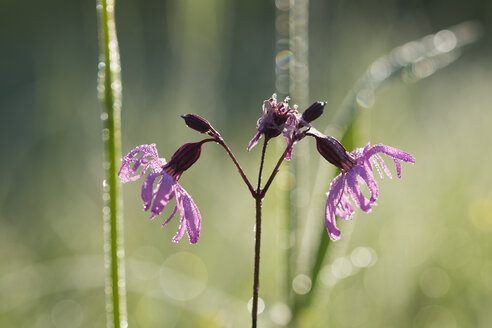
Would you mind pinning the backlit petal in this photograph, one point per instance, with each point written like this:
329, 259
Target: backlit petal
147, 192
334, 197
163, 194
189, 211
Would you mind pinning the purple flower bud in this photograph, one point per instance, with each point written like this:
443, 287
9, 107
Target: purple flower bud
183, 159
197, 123
334, 152
314, 111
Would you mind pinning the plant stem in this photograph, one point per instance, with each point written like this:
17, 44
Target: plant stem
274, 172
109, 88
256, 279
241, 171
256, 274
262, 162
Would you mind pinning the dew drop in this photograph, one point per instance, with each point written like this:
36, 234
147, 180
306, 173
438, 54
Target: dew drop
261, 305
284, 59
105, 134
105, 185
301, 284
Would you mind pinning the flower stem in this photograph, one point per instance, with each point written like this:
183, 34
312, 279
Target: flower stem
274, 172
258, 200
239, 168
109, 88
262, 163
256, 279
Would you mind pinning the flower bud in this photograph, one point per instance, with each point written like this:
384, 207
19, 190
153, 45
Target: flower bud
197, 123
183, 159
314, 111
334, 152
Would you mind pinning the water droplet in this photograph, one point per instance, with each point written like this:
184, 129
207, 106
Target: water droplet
327, 277
121, 283
365, 98
363, 257
282, 4
284, 59
106, 210
283, 43
105, 134
380, 70
105, 185
282, 24
301, 284
341, 268
261, 305
445, 41
280, 314
101, 65
116, 86
104, 116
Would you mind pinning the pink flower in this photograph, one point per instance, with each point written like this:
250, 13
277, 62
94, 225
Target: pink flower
276, 119
161, 185
358, 163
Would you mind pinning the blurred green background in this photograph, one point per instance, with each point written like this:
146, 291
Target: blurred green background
421, 259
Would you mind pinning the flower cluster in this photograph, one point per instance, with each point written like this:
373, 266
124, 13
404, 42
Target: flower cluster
161, 184
279, 118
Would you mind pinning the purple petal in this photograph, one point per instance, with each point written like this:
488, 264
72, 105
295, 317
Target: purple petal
288, 155
395, 153
334, 197
254, 141
163, 194
344, 209
181, 230
365, 172
290, 144
191, 215
383, 166
267, 105
146, 156
374, 162
147, 192
354, 190
398, 167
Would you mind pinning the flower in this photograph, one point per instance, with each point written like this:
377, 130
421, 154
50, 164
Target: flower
276, 119
164, 177
356, 164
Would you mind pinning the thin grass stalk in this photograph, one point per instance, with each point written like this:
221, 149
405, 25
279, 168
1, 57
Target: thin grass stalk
109, 88
299, 90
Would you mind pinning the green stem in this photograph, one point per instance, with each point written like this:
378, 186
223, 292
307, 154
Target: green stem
109, 88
